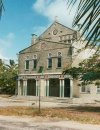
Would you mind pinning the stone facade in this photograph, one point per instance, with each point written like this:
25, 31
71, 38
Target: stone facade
49, 81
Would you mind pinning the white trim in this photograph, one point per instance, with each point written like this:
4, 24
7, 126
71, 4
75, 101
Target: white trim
60, 94
48, 59
41, 74
19, 87
57, 59
71, 88
25, 64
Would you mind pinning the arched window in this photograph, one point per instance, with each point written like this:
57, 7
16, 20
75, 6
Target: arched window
59, 59
27, 63
49, 60
34, 61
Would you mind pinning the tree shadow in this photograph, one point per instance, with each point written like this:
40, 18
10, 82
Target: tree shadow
95, 109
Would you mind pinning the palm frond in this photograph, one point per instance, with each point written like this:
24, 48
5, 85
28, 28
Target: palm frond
1, 7
88, 15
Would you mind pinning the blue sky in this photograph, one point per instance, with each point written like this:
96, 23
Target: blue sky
21, 18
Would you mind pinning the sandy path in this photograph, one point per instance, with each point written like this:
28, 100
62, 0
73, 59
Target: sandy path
38, 123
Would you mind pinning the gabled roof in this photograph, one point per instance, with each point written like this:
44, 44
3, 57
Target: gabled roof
56, 22
62, 43
65, 26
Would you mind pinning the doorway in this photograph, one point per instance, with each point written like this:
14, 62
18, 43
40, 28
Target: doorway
67, 88
31, 87
54, 87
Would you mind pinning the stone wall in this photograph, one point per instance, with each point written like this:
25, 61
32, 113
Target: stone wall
42, 57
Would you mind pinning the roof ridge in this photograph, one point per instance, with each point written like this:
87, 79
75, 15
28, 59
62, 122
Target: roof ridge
65, 26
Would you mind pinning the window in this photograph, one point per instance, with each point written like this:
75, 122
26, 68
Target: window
34, 61
27, 65
98, 88
59, 59
69, 41
55, 32
49, 60
85, 89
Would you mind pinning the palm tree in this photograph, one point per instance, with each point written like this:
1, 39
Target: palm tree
1, 7
88, 17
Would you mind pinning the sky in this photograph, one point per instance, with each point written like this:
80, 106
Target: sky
21, 18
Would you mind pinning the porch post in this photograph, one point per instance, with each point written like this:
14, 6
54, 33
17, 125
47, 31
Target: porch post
25, 87
71, 87
62, 87
19, 88
47, 87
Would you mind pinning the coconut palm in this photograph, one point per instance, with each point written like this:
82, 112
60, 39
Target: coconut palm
1, 7
88, 16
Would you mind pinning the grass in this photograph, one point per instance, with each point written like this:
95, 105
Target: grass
81, 114
5, 95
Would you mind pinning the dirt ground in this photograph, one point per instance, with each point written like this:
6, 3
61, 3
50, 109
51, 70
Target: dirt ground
39, 123
86, 113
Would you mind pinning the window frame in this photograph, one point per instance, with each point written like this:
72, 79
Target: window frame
49, 58
60, 58
34, 59
86, 89
26, 64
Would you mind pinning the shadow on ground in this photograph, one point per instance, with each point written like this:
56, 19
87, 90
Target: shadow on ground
85, 109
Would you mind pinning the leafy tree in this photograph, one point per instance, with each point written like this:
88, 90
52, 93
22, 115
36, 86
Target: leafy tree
88, 70
88, 17
8, 75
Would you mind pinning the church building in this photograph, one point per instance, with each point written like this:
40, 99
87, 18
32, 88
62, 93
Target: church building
41, 65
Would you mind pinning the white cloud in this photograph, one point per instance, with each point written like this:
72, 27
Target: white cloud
5, 43
52, 8
2, 57
10, 36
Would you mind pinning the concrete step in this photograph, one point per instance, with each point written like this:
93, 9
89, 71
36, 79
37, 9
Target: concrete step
44, 99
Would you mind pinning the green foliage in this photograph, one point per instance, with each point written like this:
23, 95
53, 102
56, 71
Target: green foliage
1, 7
8, 75
88, 20
74, 72
88, 70
40, 69
91, 76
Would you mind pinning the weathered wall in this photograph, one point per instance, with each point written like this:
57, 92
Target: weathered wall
42, 57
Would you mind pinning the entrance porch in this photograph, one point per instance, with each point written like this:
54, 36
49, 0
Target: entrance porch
49, 87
